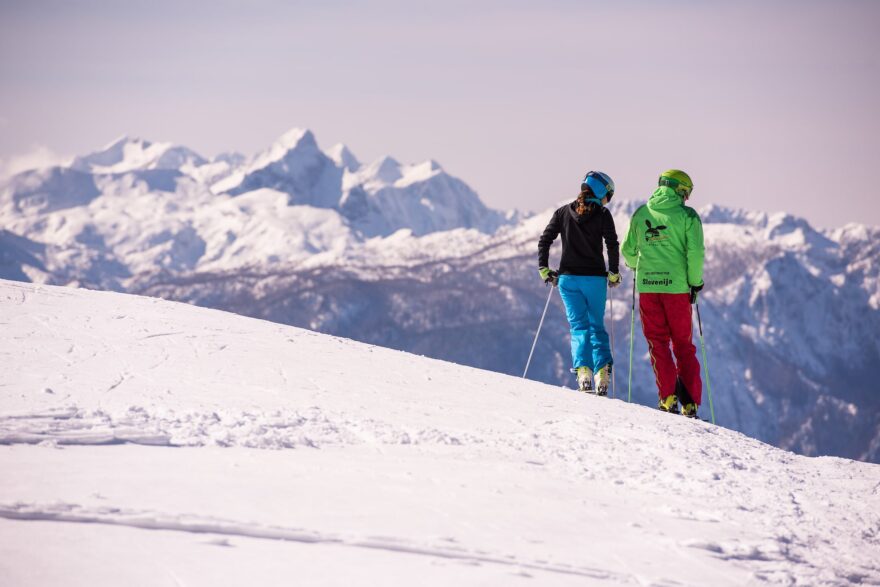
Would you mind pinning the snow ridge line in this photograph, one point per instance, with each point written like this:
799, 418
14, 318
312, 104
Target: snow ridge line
146, 520
311, 428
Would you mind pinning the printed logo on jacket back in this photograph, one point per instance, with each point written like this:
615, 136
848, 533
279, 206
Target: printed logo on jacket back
653, 232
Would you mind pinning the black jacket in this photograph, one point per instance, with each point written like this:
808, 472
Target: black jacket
581, 241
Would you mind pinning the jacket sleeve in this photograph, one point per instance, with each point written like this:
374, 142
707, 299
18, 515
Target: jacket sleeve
695, 249
549, 235
630, 248
609, 233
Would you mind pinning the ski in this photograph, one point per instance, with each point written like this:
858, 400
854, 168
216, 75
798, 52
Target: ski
677, 413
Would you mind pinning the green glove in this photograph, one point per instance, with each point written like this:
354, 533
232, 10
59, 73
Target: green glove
548, 275
613, 279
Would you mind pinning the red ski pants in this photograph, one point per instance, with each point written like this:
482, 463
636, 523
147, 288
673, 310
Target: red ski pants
667, 318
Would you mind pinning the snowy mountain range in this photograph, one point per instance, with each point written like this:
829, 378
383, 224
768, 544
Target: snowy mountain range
407, 257
147, 442
136, 207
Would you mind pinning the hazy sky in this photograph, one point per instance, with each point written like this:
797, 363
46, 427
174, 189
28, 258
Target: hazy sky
768, 105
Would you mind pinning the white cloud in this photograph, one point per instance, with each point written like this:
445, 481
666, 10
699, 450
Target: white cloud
37, 158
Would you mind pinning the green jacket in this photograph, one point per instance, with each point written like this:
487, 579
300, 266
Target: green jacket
665, 244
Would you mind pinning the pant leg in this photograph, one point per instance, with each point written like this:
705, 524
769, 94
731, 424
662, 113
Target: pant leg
595, 289
576, 311
678, 315
656, 329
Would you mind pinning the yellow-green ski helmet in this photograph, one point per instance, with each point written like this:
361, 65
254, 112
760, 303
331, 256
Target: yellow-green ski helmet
677, 180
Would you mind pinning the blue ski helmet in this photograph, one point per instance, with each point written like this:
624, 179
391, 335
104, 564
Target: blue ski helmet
600, 183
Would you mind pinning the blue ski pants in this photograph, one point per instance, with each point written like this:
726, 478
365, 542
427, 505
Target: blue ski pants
584, 298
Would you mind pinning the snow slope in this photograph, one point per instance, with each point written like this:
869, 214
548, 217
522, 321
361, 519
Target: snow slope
790, 326
406, 256
147, 442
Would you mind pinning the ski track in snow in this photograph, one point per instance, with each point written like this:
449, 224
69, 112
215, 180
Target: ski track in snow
206, 525
311, 428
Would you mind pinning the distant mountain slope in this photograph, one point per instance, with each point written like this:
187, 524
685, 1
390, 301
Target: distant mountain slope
143, 206
127, 154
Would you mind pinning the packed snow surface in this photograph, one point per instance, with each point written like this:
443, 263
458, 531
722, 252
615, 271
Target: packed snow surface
144, 442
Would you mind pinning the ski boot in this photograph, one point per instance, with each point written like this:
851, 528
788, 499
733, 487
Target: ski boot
585, 379
603, 380
669, 404
689, 410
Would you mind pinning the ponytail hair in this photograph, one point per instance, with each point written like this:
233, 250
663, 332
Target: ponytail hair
583, 203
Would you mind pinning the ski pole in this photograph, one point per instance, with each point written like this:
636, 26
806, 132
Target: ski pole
705, 363
611, 301
632, 331
540, 324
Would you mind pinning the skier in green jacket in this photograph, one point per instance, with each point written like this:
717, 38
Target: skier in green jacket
664, 245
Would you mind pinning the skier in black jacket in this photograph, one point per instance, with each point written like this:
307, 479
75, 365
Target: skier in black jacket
582, 275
